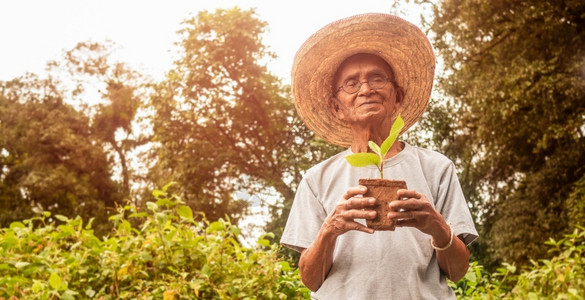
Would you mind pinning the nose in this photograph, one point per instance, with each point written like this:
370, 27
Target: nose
367, 90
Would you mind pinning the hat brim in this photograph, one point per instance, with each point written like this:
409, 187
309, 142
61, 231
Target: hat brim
403, 45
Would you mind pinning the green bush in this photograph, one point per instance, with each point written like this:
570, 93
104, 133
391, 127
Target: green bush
161, 252
165, 252
561, 277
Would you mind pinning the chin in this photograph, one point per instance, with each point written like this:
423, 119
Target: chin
375, 120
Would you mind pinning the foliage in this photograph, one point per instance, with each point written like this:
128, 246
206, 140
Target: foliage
160, 251
561, 277
513, 117
377, 158
119, 89
223, 123
49, 158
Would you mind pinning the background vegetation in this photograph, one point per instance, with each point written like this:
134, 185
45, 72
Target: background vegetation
164, 251
509, 109
160, 252
513, 118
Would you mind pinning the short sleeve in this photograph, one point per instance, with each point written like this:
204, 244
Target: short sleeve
453, 206
305, 219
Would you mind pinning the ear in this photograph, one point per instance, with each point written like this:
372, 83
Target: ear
336, 108
399, 96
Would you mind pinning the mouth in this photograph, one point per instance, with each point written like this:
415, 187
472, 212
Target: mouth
370, 103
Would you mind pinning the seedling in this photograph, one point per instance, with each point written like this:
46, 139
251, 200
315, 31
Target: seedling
377, 158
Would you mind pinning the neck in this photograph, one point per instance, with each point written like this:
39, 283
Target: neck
376, 134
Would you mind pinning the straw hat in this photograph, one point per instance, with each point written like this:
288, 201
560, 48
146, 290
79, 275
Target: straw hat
400, 43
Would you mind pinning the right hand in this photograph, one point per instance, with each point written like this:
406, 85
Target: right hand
350, 208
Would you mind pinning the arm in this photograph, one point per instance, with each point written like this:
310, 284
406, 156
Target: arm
418, 212
316, 261
454, 260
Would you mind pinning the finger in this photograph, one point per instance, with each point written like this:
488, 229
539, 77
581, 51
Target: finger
359, 214
359, 227
411, 204
406, 223
354, 191
359, 203
409, 194
403, 215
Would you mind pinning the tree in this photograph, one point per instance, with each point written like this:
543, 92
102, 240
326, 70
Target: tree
119, 89
49, 159
223, 123
514, 117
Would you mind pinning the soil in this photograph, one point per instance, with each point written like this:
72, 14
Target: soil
384, 190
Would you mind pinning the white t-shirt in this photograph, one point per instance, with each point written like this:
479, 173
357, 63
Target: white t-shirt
398, 264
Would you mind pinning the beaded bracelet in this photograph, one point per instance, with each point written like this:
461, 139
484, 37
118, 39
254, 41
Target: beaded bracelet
448, 245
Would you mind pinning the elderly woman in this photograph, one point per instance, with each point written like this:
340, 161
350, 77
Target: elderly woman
350, 81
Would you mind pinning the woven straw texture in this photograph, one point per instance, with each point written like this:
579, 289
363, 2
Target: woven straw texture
400, 43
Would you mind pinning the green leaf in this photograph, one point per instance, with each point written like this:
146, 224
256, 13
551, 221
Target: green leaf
16, 225
375, 148
158, 194
363, 159
164, 202
21, 264
69, 295
235, 230
37, 286
62, 218
216, 226
166, 187
394, 132
152, 206
138, 215
285, 266
264, 242
55, 281
205, 270
470, 276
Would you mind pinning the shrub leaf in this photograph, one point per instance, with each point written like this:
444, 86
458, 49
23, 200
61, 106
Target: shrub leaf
185, 212
55, 281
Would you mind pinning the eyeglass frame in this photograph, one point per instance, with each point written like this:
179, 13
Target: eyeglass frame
387, 79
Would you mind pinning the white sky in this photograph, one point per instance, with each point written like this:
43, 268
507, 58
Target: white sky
33, 32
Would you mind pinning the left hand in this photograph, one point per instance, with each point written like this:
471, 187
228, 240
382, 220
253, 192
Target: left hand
416, 211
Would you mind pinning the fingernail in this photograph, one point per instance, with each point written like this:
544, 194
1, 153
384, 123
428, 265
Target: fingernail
372, 201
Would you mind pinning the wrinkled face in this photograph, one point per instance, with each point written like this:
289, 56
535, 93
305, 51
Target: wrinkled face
367, 106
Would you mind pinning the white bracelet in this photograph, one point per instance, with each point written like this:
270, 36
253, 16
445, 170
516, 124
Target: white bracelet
448, 245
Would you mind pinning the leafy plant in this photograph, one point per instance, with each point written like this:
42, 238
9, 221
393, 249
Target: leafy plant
161, 251
560, 277
377, 158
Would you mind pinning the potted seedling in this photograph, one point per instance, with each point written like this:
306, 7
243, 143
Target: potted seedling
384, 190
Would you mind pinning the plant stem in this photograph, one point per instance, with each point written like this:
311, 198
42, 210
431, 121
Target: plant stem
381, 169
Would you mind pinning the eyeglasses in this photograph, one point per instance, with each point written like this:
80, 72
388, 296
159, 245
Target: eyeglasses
352, 86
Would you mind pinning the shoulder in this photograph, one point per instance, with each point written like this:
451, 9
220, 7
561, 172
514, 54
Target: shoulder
430, 158
332, 164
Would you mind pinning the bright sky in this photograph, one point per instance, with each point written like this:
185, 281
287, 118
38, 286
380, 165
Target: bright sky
33, 32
